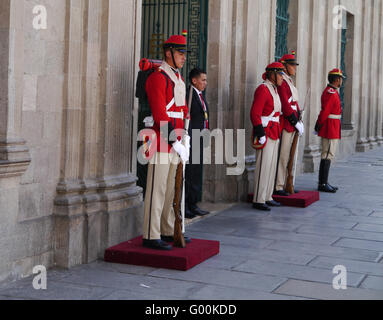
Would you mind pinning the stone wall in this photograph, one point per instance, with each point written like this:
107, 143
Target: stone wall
68, 122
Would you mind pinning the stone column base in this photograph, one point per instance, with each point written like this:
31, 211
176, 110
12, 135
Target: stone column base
362, 145
14, 158
91, 216
311, 158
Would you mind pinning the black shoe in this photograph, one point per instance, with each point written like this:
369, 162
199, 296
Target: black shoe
170, 239
296, 191
189, 214
198, 212
326, 188
273, 203
261, 206
281, 193
335, 188
324, 170
156, 245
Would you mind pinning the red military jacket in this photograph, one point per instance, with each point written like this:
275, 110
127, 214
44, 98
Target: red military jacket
331, 107
287, 107
263, 106
159, 89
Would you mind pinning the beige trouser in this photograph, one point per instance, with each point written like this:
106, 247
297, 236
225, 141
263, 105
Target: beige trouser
284, 157
265, 172
329, 147
158, 208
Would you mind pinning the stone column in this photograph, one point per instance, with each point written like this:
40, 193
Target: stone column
372, 116
14, 154
379, 103
364, 110
317, 77
218, 94
98, 203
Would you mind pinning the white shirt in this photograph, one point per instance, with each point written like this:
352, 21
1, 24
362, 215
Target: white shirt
199, 94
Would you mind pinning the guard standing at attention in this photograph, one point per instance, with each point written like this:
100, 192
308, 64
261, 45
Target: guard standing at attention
265, 117
166, 93
290, 120
328, 127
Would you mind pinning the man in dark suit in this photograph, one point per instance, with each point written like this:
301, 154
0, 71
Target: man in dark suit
199, 121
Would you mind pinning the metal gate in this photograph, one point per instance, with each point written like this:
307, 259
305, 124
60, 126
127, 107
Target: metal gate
282, 28
343, 65
160, 20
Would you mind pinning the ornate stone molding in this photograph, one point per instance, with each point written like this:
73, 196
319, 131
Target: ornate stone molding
14, 158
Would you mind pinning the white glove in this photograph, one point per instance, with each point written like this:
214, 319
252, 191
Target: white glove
181, 150
300, 127
186, 143
262, 140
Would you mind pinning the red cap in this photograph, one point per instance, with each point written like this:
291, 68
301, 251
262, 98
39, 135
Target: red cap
337, 72
290, 59
177, 42
275, 66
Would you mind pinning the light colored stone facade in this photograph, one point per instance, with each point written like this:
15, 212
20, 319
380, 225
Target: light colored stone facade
68, 116
242, 43
67, 183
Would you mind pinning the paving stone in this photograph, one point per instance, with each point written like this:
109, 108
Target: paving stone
224, 261
148, 295
369, 227
360, 244
268, 255
353, 234
256, 222
59, 291
287, 236
325, 250
326, 291
232, 240
372, 282
291, 271
136, 283
219, 277
377, 214
122, 268
351, 265
211, 292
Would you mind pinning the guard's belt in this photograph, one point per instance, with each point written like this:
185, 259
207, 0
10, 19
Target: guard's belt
335, 116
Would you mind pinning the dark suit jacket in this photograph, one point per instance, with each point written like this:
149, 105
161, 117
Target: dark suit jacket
197, 114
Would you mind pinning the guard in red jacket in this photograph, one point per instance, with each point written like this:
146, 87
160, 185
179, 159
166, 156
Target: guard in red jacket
265, 117
291, 120
166, 93
328, 127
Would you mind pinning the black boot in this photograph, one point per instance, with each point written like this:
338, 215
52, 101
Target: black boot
324, 170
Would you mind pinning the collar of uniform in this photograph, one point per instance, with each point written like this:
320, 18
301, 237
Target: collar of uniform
331, 86
274, 86
287, 75
174, 70
199, 92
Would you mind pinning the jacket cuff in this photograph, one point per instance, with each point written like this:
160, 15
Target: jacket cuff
293, 119
259, 131
317, 126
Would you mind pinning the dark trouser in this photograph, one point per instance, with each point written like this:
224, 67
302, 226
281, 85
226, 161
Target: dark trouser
193, 179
